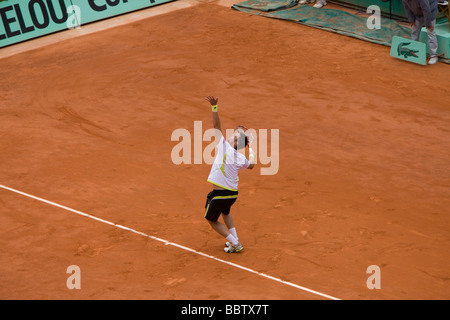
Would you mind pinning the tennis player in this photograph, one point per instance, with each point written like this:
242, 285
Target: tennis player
224, 177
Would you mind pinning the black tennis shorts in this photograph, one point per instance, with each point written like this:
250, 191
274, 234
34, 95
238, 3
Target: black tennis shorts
219, 201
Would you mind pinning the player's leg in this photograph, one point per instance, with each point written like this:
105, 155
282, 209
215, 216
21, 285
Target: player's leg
228, 219
223, 231
214, 207
231, 247
216, 225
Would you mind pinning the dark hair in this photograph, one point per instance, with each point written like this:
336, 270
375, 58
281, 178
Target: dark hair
242, 136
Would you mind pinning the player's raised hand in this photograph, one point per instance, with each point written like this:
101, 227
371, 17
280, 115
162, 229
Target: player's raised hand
213, 101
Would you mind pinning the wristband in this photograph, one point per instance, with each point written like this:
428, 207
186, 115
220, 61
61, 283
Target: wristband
214, 108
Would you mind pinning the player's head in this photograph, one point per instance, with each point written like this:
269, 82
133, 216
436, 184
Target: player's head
239, 139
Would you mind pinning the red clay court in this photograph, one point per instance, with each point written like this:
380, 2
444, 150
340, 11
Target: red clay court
363, 175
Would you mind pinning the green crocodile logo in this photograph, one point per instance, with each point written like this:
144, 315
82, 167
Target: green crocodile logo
406, 52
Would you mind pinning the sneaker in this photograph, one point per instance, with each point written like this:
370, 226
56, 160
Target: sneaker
305, 1
320, 4
433, 60
233, 249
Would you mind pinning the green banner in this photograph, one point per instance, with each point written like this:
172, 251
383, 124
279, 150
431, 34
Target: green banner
409, 50
22, 20
387, 7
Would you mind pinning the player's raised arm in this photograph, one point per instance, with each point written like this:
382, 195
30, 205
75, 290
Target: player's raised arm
215, 115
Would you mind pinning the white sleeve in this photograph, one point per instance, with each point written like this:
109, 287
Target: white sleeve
245, 164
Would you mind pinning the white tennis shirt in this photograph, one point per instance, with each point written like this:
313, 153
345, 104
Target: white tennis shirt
228, 162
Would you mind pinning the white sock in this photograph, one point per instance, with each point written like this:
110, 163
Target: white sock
232, 239
233, 232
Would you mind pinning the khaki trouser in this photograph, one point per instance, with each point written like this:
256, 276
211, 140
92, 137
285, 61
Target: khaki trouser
432, 40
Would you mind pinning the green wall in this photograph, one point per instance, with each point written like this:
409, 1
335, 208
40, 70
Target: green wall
395, 7
22, 20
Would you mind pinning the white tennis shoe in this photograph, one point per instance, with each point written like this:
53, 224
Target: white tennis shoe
320, 4
233, 249
433, 60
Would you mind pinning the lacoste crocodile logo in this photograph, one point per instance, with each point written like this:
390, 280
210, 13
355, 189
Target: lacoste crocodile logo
406, 52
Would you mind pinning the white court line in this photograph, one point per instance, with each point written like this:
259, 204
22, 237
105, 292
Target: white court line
171, 244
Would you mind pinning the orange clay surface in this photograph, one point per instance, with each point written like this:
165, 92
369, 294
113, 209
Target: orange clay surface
364, 153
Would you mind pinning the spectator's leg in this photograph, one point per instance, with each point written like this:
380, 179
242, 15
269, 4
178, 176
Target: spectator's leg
415, 30
432, 40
